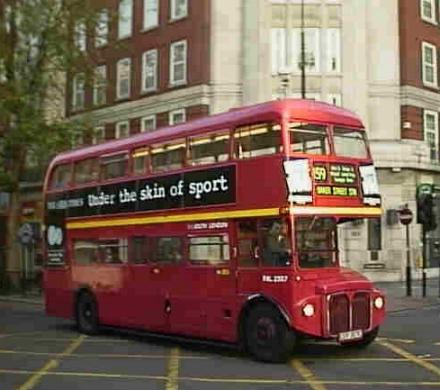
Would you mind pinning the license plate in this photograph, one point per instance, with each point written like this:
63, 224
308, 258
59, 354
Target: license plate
350, 335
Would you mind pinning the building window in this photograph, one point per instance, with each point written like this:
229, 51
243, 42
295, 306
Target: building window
98, 135
78, 91
123, 78
149, 71
311, 43
100, 86
179, 9
151, 14
125, 21
429, 64
177, 116
333, 50
427, 10
101, 29
80, 36
178, 55
122, 129
430, 127
278, 50
374, 234
148, 123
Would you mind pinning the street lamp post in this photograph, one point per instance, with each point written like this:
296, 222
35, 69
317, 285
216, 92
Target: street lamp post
303, 54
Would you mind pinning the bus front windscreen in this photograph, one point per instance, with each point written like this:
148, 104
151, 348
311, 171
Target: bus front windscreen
316, 242
350, 143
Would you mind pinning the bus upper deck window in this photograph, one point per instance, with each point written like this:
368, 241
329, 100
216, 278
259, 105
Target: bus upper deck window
140, 160
350, 143
114, 166
86, 171
61, 177
308, 138
167, 156
209, 149
257, 140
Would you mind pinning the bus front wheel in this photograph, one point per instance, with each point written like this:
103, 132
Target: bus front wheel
267, 335
87, 314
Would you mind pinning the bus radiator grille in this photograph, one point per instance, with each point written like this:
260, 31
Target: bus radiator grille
339, 310
361, 310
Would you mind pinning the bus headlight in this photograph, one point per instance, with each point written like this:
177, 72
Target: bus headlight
308, 310
378, 302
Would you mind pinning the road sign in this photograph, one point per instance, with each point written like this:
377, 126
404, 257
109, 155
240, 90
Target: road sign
405, 216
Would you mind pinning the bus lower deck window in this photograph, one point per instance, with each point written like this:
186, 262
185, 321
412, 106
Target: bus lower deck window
209, 249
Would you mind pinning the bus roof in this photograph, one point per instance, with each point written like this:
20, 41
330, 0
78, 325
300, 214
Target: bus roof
292, 109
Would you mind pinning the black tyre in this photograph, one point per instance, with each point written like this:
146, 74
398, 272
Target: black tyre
267, 336
87, 314
364, 341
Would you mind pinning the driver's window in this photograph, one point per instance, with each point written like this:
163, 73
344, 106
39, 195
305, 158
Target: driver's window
275, 241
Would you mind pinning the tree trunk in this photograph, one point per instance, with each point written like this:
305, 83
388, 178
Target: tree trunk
13, 263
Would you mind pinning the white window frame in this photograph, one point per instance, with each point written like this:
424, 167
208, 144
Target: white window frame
172, 114
102, 28
434, 83
426, 18
118, 129
100, 81
152, 119
278, 50
145, 70
78, 104
151, 14
125, 19
119, 78
174, 64
98, 134
80, 36
333, 49
427, 131
173, 6
295, 43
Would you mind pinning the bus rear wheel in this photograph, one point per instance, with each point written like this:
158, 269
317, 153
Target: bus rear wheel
87, 314
267, 335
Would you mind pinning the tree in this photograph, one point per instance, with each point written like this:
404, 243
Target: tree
39, 46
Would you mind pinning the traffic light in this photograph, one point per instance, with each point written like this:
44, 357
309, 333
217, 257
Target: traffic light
425, 211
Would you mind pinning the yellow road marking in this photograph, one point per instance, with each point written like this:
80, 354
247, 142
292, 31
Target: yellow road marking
409, 356
101, 355
307, 374
173, 370
368, 384
403, 341
51, 364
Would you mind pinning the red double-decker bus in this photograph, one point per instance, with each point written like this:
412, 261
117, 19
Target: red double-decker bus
222, 228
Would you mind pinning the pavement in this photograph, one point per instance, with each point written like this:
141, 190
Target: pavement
395, 292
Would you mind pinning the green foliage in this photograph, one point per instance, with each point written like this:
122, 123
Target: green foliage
36, 52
